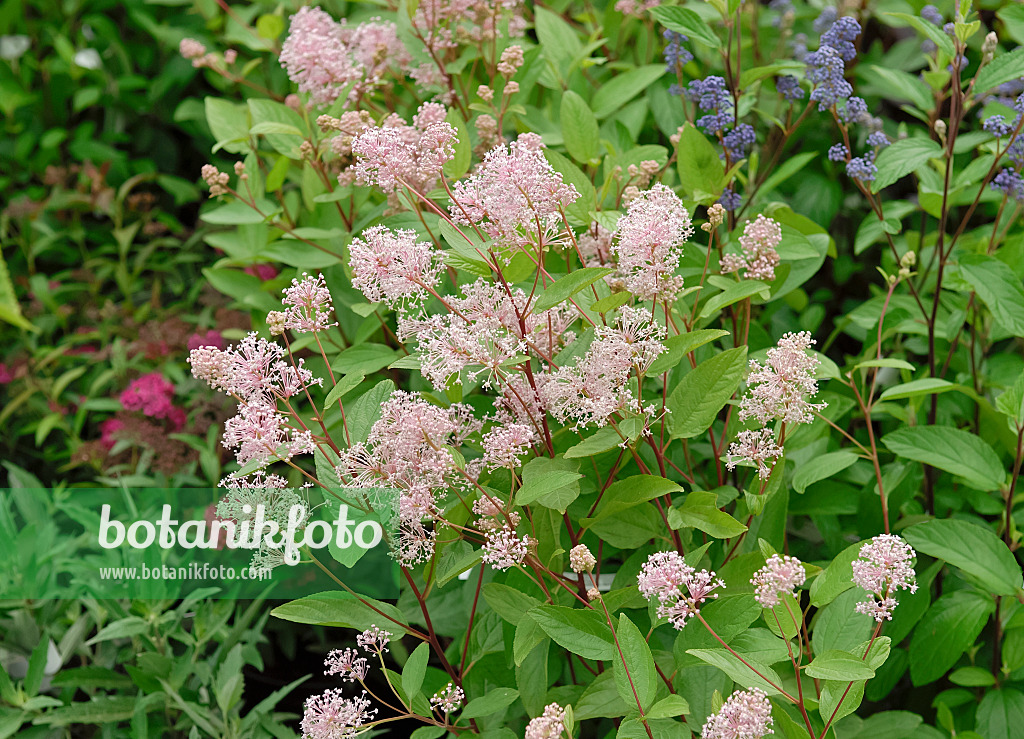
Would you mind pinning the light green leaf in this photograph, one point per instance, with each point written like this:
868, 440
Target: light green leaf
734, 294
834, 664
496, 700
956, 451
997, 286
739, 672
1004, 68
630, 492
638, 658
553, 483
701, 172
933, 32
579, 128
948, 629
334, 608
623, 87
679, 346
345, 385
973, 548
582, 632
565, 287
903, 157
415, 669
688, 23
822, 467
697, 399
914, 388
1001, 714
700, 510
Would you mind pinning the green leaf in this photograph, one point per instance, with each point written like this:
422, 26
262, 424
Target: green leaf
734, 294
700, 510
821, 467
333, 608
903, 157
497, 700
455, 559
642, 677
688, 23
933, 32
415, 669
834, 664
345, 385
947, 630
1011, 402
972, 677
10, 309
99, 711
973, 548
553, 483
623, 87
997, 286
902, 85
894, 363
1003, 68
697, 399
363, 359
275, 127
233, 214
582, 632
739, 672
579, 128
679, 346
836, 578
601, 699
701, 172
670, 706
508, 602
956, 451
229, 123
366, 410
915, 388
458, 165
1000, 714
606, 438
630, 492
565, 287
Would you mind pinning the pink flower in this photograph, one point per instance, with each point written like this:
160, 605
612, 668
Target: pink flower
581, 559
374, 640
779, 389
885, 566
779, 576
396, 155
108, 432
332, 716
515, 196
759, 242
309, 305
347, 664
679, 588
448, 699
504, 445
503, 549
152, 394
6, 374
747, 714
756, 447
210, 338
648, 244
549, 725
392, 267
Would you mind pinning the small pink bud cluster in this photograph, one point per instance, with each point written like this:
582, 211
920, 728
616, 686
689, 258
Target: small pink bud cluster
374, 640
511, 60
649, 241
679, 588
443, 24
549, 725
196, 52
746, 714
759, 242
636, 8
216, 180
309, 305
448, 699
885, 566
581, 559
779, 576
756, 447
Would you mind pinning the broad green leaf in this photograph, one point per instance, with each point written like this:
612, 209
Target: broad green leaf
734, 294
836, 578
903, 157
601, 699
972, 677
688, 23
914, 388
973, 548
108, 710
455, 559
642, 681
283, 128
508, 602
553, 483
630, 492
997, 286
1011, 402
415, 669
956, 451
701, 172
834, 664
630, 528
697, 399
496, 700
365, 411
623, 87
579, 128
606, 439
933, 32
679, 346
894, 363
741, 673
822, 467
345, 385
580, 210
948, 629
1001, 714
670, 706
333, 608
565, 287
1003, 68
364, 359
700, 510
458, 165
229, 123
902, 85
582, 632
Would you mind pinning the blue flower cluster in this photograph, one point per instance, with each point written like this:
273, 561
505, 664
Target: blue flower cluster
931, 14
739, 140
841, 35
878, 140
855, 111
712, 98
1009, 182
827, 65
997, 126
838, 153
862, 168
676, 55
789, 87
730, 200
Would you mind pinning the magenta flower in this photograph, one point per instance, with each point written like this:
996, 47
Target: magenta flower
210, 338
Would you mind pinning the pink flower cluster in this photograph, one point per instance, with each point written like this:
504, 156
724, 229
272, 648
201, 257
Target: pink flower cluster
759, 258
309, 305
885, 566
392, 267
779, 576
679, 588
395, 155
448, 699
648, 244
153, 394
347, 664
374, 639
503, 549
324, 57
549, 725
514, 196
754, 446
445, 23
746, 714
331, 715
778, 390
598, 385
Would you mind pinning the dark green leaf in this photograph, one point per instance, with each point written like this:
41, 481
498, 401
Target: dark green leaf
697, 399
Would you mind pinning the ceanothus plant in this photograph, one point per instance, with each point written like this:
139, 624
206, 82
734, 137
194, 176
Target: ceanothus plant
625, 496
